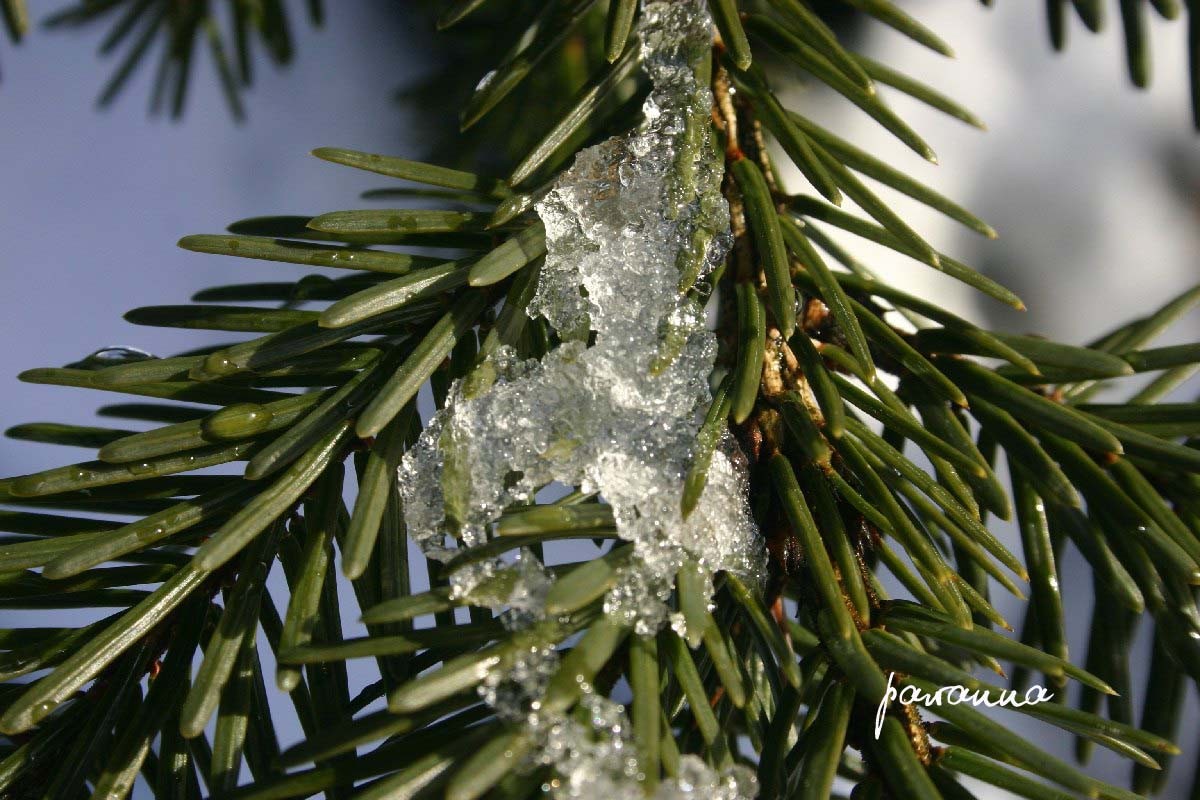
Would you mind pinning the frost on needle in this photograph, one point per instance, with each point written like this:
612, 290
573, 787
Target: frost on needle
615, 409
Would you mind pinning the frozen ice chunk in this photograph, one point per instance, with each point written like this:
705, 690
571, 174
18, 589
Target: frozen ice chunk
698, 780
630, 226
619, 223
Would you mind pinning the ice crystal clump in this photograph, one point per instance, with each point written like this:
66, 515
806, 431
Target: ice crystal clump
615, 409
697, 779
618, 225
600, 752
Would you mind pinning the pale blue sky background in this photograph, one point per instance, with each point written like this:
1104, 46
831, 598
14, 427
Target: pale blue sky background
92, 203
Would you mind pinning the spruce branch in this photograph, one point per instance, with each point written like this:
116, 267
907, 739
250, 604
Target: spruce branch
181, 26
828, 395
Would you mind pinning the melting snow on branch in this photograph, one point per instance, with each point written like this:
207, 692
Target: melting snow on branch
624, 225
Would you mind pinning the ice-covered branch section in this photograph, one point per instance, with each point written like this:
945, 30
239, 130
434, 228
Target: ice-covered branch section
635, 219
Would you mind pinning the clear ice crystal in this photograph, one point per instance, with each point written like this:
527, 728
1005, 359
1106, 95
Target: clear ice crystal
593, 757
698, 780
618, 417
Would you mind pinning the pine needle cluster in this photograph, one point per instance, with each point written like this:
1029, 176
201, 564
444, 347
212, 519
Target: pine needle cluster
874, 424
